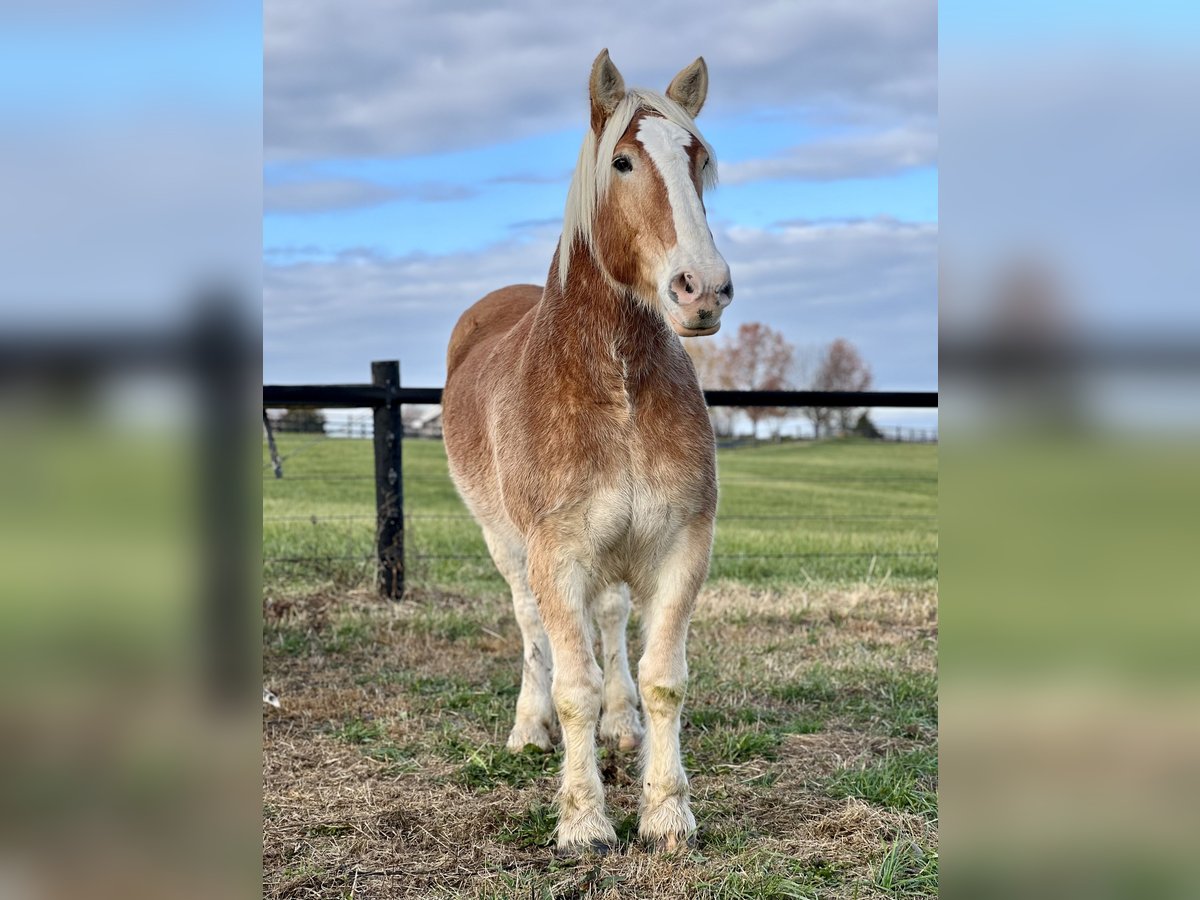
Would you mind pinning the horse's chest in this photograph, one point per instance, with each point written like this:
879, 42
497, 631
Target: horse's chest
649, 495
610, 472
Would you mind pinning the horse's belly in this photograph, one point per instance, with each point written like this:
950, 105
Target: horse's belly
632, 522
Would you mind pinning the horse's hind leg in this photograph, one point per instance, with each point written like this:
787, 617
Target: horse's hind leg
621, 724
535, 712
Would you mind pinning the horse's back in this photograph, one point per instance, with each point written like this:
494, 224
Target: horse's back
465, 427
489, 319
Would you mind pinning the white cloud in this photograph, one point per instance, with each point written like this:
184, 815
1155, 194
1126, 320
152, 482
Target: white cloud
155, 206
872, 281
376, 77
325, 194
325, 321
859, 156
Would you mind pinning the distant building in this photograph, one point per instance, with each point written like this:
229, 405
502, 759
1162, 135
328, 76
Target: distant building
427, 425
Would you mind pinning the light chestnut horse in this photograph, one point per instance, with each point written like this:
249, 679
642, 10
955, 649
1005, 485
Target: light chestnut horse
578, 437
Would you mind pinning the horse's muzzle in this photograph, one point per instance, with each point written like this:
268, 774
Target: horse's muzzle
694, 309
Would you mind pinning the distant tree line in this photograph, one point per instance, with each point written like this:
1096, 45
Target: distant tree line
308, 421
758, 358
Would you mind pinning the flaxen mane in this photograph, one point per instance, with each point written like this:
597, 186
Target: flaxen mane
590, 181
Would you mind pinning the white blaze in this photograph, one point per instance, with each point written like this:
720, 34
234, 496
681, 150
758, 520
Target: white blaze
666, 144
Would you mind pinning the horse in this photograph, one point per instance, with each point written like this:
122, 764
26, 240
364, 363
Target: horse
578, 437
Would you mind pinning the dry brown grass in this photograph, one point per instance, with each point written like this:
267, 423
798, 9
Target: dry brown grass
384, 773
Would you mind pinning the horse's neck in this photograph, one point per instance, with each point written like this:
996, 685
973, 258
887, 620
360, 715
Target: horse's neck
594, 330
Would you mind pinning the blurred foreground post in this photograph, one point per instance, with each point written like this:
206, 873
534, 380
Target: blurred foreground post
220, 363
389, 485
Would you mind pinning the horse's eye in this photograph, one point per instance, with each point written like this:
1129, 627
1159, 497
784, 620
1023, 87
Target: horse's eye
622, 164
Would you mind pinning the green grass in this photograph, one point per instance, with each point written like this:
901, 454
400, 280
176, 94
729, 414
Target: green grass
835, 512
900, 701
357, 731
531, 827
371, 738
719, 751
765, 875
906, 782
849, 664
907, 870
489, 765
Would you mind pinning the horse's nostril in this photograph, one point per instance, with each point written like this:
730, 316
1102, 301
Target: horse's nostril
683, 283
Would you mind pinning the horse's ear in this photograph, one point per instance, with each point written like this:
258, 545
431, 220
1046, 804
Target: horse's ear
690, 87
607, 89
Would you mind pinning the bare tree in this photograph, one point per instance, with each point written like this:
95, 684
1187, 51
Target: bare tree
841, 369
709, 358
759, 359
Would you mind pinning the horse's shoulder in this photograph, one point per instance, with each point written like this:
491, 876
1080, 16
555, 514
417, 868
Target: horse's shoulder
490, 317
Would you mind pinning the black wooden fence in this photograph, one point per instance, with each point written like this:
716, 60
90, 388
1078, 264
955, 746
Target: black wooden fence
385, 396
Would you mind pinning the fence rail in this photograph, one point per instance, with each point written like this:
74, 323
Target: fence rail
361, 396
385, 396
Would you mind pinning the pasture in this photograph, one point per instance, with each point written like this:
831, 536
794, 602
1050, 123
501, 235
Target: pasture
809, 730
834, 512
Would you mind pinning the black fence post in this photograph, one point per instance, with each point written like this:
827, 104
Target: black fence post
389, 482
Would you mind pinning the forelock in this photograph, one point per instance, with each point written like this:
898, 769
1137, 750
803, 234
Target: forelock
592, 179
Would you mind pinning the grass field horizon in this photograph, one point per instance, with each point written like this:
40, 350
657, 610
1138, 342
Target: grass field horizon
825, 512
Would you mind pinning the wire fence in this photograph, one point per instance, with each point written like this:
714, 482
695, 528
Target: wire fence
790, 510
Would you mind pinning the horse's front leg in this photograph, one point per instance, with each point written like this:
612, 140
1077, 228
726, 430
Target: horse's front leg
563, 589
666, 820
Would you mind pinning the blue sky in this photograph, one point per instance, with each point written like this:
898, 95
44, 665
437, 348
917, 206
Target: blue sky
132, 151
106, 61
493, 201
967, 26
417, 155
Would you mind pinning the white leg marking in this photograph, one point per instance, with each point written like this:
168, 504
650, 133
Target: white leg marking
563, 590
621, 725
666, 817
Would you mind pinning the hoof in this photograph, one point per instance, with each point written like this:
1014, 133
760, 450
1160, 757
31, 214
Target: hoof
629, 742
671, 843
622, 730
529, 737
586, 832
669, 826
